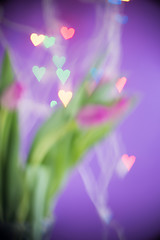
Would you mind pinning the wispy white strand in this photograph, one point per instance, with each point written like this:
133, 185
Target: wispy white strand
108, 152
107, 155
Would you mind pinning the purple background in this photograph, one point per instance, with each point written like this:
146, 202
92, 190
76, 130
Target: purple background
134, 200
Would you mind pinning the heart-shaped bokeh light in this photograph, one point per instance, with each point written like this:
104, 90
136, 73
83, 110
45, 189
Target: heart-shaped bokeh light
67, 33
53, 103
37, 39
121, 83
96, 74
116, 2
123, 19
63, 75
59, 61
49, 41
128, 161
65, 97
39, 72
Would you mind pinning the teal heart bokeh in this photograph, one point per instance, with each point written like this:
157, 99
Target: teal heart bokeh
59, 61
38, 72
63, 75
96, 74
49, 41
123, 19
53, 103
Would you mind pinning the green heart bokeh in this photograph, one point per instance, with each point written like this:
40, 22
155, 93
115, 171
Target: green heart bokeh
53, 103
39, 72
49, 41
59, 61
63, 75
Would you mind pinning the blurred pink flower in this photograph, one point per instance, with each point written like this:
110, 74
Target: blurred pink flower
12, 95
98, 114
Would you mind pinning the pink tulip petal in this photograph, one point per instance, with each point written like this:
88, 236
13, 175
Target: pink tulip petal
12, 95
97, 114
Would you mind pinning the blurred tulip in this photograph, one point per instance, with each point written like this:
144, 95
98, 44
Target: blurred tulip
12, 95
97, 114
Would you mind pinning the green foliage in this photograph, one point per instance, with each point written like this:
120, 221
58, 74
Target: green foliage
7, 75
10, 181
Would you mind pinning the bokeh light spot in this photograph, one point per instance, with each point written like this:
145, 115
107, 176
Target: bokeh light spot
39, 72
53, 103
63, 75
49, 41
121, 83
128, 161
59, 61
37, 39
67, 33
65, 97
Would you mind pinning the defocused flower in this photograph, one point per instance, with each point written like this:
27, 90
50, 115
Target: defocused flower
12, 95
97, 114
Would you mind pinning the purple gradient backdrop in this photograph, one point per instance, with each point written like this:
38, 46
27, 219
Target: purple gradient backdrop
135, 200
